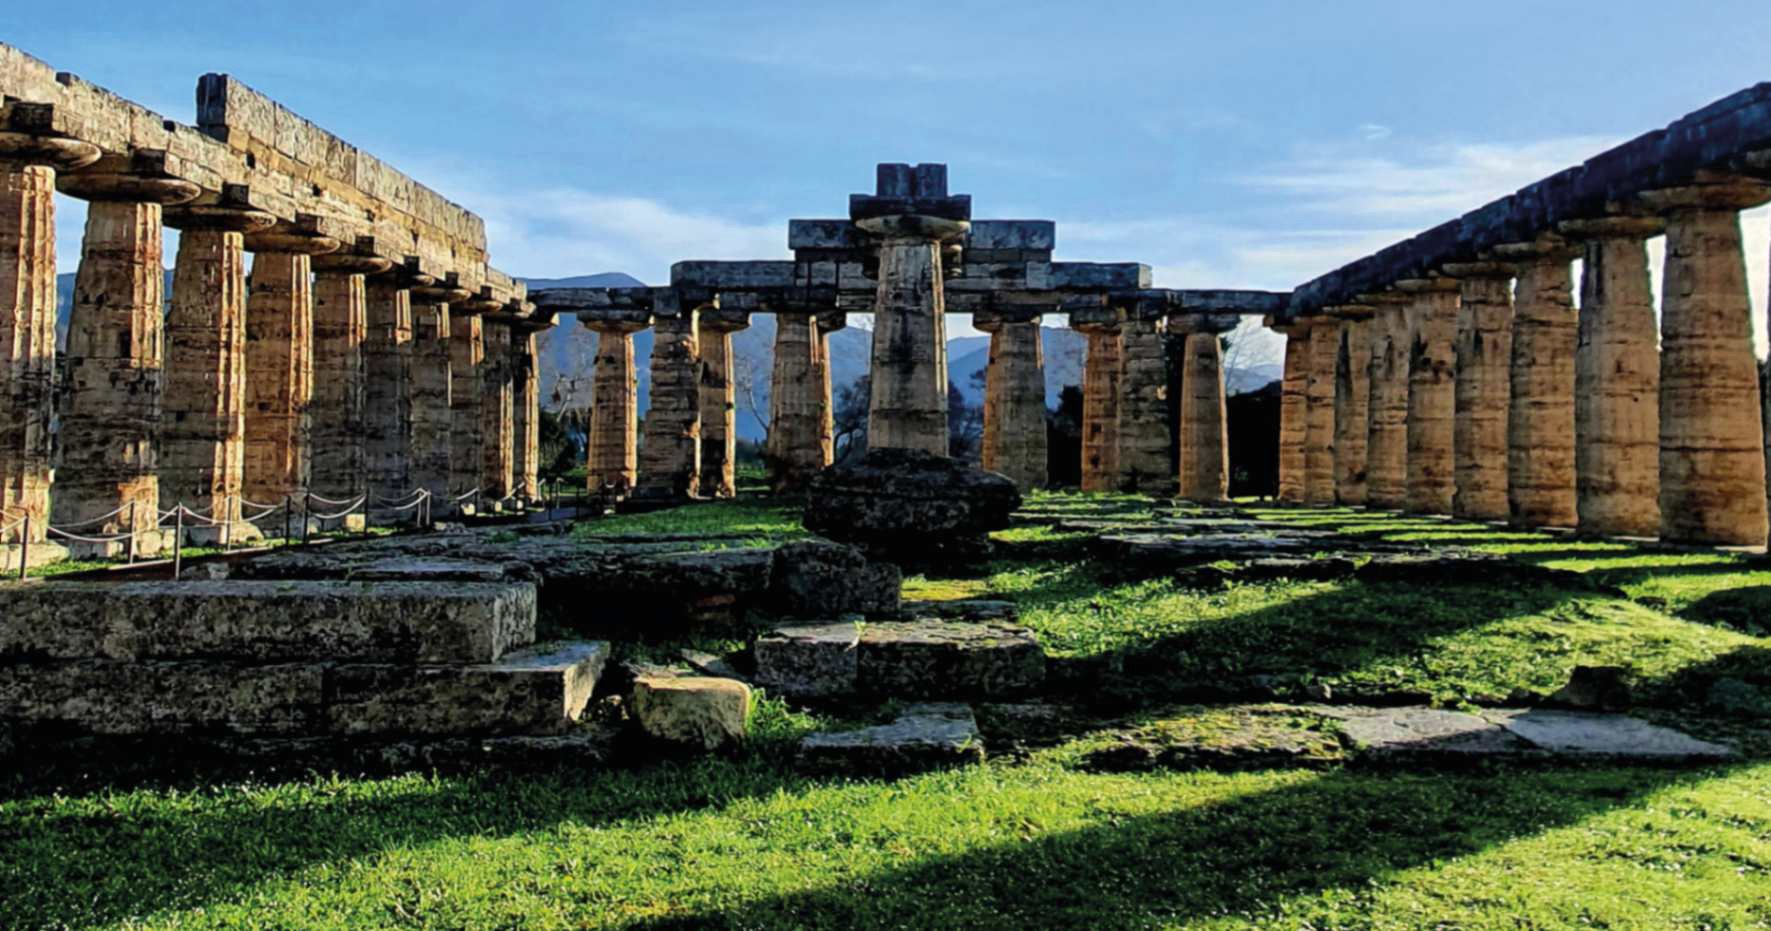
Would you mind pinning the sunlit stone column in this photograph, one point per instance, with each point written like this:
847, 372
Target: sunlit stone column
432, 389
525, 404
1540, 408
203, 410
1319, 483
829, 322
28, 166
1484, 353
1294, 408
613, 455
795, 414
908, 409
1712, 443
107, 482
1386, 409
670, 455
1143, 459
280, 362
1432, 393
1100, 395
497, 410
1617, 380
719, 408
337, 415
387, 389
467, 383
1203, 435
1352, 400
1014, 394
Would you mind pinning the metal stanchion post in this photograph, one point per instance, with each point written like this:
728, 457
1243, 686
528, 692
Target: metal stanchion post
24, 547
178, 542
307, 517
133, 530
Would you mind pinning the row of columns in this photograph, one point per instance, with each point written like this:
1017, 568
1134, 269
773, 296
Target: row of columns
1489, 396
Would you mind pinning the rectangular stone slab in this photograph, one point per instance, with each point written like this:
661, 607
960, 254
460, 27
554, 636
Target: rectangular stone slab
107, 696
267, 621
540, 690
949, 659
809, 660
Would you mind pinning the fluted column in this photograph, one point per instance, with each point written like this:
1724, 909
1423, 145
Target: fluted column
525, 406
794, 451
908, 408
1203, 432
432, 389
1352, 399
670, 454
107, 482
1014, 441
28, 166
280, 362
1319, 483
1142, 461
719, 408
1386, 410
1432, 393
467, 357
336, 412
1540, 405
1100, 395
1617, 380
1294, 408
1712, 444
613, 456
1484, 353
829, 322
387, 389
497, 411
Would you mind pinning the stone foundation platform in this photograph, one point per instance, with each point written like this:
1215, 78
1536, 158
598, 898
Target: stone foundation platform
924, 659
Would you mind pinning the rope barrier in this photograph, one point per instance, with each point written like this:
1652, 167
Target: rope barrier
344, 513
335, 503
463, 497
57, 532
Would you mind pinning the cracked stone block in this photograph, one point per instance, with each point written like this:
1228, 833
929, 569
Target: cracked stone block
817, 578
539, 690
809, 660
949, 659
700, 712
924, 737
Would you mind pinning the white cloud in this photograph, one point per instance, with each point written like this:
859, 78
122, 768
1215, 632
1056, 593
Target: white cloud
1374, 132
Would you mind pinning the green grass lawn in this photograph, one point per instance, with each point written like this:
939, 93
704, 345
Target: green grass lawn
1041, 837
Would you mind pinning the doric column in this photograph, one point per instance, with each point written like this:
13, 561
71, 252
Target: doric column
203, 410
387, 389
1325, 340
1386, 409
280, 361
107, 482
1616, 380
719, 409
28, 166
1432, 393
1203, 433
525, 405
908, 409
830, 321
1484, 354
467, 383
1014, 441
1294, 407
613, 456
497, 410
1100, 395
1352, 400
336, 412
1540, 404
1712, 444
432, 390
1142, 459
670, 456
796, 411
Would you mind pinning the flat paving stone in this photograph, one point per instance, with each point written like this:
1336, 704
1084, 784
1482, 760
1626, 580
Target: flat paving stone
1425, 731
1613, 736
925, 736
934, 659
810, 660
1517, 732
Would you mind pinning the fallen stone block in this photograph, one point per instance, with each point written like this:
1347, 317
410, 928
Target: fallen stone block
539, 690
1400, 733
924, 737
964, 609
697, 712
949, 659
266, 622
810, 660
909, 507
107, 696
817, 578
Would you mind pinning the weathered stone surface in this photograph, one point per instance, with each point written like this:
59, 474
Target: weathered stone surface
106, 696
497, 416
1294, 408
1014, 442
279, 377
1608, 736
1484, 352
1319, 484
1143, 458
266, 622
614, 413
1204, 427
525, 406
815, 578
336, 413
27, 344
810, 660
467, 395
924, 737
1540, 419
908, 407
1352, 399
949, 659
388, 391
539, 690
1432, 400
719, 408
1386, 439
901, 502
694, 711
1426, 732
430, 390
964, 609
796, 403
670, 459
1294, 568
1161, 551
202, 415
1100, 404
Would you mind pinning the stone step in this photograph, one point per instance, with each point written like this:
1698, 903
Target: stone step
266, 622
901, 659
924, 737
539, 690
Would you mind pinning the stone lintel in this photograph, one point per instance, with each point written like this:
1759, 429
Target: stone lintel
1489, 269
1011, 235
1203, 322
1099, 318
734, 276
1350, 311
1234, 302
723, 320
1100, 276
830, 321
1730, 192
1147, 303
823, 235
1422, 285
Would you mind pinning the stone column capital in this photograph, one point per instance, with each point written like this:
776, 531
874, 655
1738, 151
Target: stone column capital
358, 258
307, 235
830, 321
1728, 192
1427, 285
1546, 247
1203, 323
1489, 269
1100, 319
440, 294
1619, 226
1378, 300
723, 320
139, 178
993, 319
1351, 311
57, 152
913, 226
616, 320
217, 218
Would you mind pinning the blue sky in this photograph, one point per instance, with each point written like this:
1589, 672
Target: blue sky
1250, 144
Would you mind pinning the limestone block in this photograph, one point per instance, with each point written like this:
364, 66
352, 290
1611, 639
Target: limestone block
539, 690
336, 411
924, 737
670, 460
694, 711
104, 696
949, 659
809, 661
1143, 460
816, 578
1540, 418
203, 411
279, 359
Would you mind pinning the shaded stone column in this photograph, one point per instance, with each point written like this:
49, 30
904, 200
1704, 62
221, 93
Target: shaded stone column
387, 388
830, 321
1142, 459
1432, 393
497, 411
670, 453
467, 381
908, 409
1352, 400
28, 166
1712, 443
1386, 409
203, 410
1616, 380
1319, 483
719, 408
432, 390
525, 405
1014, 395
1294, 408
280, 362
796, 412
1100, 395
613, 454
1483, 384
107, 482
337, 415
1204, 438
1540, 404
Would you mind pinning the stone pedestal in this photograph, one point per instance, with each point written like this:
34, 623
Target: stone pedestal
1294, 408
467, 380
1540, 410
1100, 396
1712, 444
1014, 441
1352, 399
497, 414
1319, 483
203, 411
1204, 428
387, 390
719, 409
279, 366
336, 414
1617, 380
525, 405
796, 411
1142, 459
1432, 393
670, 456
431, 390
1386, 435
908, 409
613, 458
1484, 364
